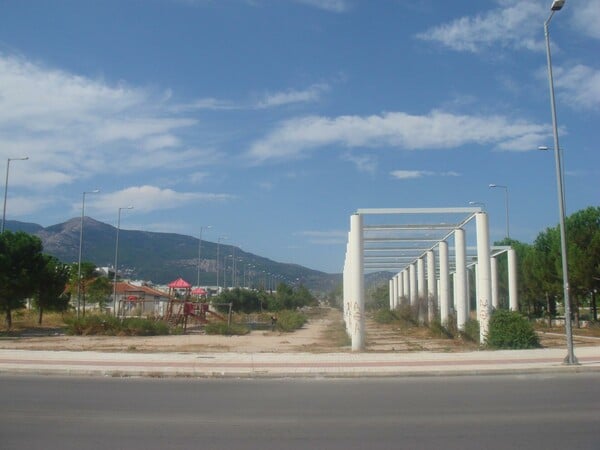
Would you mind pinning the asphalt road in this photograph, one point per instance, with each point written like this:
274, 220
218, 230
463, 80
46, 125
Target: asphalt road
466, 412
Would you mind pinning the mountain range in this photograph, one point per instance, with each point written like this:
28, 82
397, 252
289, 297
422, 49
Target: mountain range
163, 257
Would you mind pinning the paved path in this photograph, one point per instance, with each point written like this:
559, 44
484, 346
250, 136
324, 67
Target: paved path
294, 364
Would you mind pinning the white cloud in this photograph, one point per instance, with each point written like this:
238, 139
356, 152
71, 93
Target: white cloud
71, 126
508, 25
150, 198
578, 86
363, 163
269, 100
436, 130
311, 94
586, 17
413, 174
337, 6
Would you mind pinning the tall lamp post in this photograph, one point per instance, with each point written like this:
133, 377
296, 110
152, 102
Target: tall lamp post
219, 239
95, 191
505, 204
199, 251
570, 358
6, 187
117, 258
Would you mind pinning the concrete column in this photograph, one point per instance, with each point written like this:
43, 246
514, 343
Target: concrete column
421, 291
461, 279
454, 295
347, 286
513, 293
444, 291
406, 287
391, 293
485, 288
400, 288
358, 287
494, 269
412, 273
395, 291
431, 287
476, 291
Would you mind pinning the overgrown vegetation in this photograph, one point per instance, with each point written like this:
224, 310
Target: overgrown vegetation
235, 329
113, 326
510, 330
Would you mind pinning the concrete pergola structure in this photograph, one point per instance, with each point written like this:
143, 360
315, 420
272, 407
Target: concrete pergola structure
417, 251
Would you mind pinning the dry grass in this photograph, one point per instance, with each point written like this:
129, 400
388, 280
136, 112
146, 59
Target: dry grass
26, 321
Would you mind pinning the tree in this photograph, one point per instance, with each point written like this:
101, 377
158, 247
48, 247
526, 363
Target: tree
88, 274
51, 281
20, 263
98, 290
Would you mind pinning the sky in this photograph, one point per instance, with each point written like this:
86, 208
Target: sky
272, 121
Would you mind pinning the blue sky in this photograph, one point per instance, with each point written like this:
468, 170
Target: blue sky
274, 120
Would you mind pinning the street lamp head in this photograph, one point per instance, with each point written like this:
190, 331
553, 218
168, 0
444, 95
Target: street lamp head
557, 5
493, 185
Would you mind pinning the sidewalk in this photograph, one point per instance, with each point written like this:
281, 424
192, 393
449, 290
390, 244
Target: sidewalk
282, 365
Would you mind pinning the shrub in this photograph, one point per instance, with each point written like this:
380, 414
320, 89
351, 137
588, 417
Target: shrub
510, 330
288, 320
471, 332
235, 329
438, 330
385, 316
110, 326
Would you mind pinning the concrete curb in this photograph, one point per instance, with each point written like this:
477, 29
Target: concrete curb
294, 365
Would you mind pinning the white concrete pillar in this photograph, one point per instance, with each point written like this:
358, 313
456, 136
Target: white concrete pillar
421, 291
406, 286
400, 288
476, 291
412, 272
485, 288
431, 287
444, 291
461, 279
454, 294
494, 273
513, 293
358, 287
395, 300
391, 293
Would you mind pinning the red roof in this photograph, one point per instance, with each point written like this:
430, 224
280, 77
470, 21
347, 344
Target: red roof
180, 283
198, 291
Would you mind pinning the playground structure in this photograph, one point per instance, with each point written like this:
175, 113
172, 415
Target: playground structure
181, 312
179, 307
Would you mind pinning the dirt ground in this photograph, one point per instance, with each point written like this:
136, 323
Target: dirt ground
323, 333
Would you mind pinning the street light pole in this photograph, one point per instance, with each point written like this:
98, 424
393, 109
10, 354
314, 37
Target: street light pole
6, 187
199, 251
570, 358
505, 205
219, 239
117, 259
95, 191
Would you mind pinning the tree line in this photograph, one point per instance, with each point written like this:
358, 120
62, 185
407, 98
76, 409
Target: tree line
28, 273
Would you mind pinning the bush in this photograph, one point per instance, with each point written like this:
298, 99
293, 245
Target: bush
440, 331
510, 330
290, 320
235, 329
112, 326
385, 316
471, 331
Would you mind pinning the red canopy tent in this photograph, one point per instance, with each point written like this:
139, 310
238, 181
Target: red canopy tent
199, 292
179, 283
